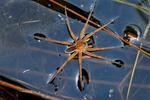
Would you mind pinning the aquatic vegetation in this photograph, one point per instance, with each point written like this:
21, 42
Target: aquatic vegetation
143, 9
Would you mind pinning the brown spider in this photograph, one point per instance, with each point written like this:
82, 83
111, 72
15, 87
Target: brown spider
79, 46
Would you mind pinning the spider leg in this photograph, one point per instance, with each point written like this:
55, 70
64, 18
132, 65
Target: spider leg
68, 26
96, 49
80, 68
92, 33
100, 57
54, 41
105, 29
85, 25
90, 46
69, 58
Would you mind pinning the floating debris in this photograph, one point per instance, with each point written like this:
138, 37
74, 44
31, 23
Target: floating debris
10, 17
26, 71
31, 21
60, 16
81, 5
111, 91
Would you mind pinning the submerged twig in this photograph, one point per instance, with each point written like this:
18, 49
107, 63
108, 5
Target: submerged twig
135, 64
25, 90
141, 8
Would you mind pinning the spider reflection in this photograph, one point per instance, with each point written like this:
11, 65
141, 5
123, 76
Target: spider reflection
85, 78
80, 47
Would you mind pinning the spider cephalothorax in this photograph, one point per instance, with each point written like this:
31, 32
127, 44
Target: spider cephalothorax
79, 46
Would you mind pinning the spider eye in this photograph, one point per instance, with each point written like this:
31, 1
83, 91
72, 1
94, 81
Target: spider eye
39, 36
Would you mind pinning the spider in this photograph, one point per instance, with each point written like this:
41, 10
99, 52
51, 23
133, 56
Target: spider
79, 46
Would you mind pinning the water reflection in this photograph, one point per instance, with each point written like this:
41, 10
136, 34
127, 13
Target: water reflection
85, 75
131, 33
39, 35
54, 83
118, 63
59, 7
13, 39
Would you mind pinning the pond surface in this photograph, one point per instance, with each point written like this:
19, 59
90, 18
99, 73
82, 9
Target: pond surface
26, 59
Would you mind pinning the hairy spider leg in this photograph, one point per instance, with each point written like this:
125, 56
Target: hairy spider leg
69, 58
54, 41
80, 68
104, 48
100, 57
96, 30
80, 37
85, 25
68, 26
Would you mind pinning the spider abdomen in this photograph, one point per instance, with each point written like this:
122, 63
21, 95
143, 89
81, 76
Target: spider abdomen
70, 49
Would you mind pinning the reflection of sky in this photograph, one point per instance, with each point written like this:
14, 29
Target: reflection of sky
19, 52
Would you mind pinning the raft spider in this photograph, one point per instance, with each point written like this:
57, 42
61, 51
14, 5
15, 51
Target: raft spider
79, 46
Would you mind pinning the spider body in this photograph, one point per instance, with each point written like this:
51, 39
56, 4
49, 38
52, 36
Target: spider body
80, 47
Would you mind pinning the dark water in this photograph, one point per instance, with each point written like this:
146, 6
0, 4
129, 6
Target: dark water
24, 58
